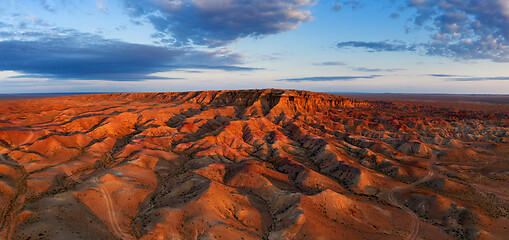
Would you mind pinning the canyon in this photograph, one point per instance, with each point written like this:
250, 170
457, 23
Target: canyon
251, 164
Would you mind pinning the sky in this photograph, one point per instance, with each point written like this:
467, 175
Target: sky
363, 46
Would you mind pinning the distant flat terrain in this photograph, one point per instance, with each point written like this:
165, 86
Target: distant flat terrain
476, 102
17, 96
473, 98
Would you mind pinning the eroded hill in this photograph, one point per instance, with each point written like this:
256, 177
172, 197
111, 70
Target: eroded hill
250, 164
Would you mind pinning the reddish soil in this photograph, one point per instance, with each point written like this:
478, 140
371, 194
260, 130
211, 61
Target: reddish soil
252, 164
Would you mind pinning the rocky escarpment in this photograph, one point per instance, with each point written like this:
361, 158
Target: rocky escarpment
252, 164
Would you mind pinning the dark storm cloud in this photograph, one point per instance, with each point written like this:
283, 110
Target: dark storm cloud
327, 78
68, 54
219, 22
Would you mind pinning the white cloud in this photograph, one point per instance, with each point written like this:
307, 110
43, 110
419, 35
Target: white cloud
101, 6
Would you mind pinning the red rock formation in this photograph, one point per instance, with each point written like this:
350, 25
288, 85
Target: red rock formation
251, 164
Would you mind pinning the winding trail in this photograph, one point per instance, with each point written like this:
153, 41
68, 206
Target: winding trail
111, 212
109, 203
415, 218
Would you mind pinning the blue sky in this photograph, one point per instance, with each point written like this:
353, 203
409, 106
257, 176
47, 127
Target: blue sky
397, 46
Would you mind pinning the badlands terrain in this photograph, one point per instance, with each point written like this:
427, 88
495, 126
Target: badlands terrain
251, 164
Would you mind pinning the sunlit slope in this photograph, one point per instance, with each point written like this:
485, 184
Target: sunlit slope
251, 164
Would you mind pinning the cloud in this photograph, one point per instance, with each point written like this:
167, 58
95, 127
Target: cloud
474, 29
330, 64
68, 54
459, 51
328, 78
378, 46
443, 75
219, 22
461, 30
337, 6
100, 5
354, 4
36, 21
47, 5
462, 78
394, 15
5, 25
363, 69
126, 77
475, 79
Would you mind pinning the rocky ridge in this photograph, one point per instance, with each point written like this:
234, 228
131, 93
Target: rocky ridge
255, 164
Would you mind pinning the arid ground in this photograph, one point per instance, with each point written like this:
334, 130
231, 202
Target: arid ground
253, 164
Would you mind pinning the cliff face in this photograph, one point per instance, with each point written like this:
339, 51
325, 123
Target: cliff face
244, 100
256, 164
